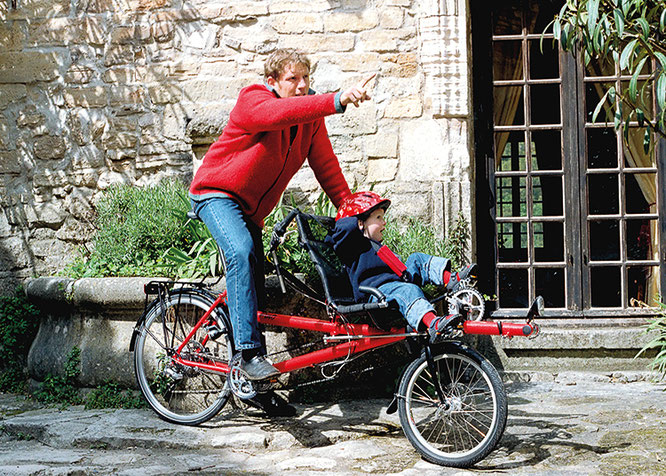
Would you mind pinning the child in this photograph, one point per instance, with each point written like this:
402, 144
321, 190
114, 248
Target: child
357, 237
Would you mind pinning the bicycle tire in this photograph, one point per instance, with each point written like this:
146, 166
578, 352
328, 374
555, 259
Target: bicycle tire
181, 395
466, 427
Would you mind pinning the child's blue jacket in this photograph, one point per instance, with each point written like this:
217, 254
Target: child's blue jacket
355, 251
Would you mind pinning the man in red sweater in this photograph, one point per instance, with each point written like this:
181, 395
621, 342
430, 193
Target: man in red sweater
273, 128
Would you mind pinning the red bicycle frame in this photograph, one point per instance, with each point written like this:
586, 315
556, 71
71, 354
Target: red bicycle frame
357, 338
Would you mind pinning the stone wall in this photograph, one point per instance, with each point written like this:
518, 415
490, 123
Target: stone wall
97, 92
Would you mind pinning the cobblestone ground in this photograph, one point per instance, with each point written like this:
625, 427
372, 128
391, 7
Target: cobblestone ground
571, 425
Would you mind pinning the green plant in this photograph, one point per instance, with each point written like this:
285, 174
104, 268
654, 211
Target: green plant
657, 325
60, 389
203, 256
632, 34
111, 395
19, 321
134, 228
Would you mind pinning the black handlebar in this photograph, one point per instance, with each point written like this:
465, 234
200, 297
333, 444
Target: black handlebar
281, 228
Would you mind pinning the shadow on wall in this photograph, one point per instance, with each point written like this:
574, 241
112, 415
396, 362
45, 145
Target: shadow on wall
17, 260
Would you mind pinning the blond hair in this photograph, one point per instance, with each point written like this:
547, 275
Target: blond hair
279, 59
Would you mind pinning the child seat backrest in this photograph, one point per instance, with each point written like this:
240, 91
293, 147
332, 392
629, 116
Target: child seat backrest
312, 232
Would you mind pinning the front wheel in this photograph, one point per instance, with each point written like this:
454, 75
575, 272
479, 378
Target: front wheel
180, 394
467, 424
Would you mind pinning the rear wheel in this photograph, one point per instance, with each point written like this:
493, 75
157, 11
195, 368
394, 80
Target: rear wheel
466, 426
182, 394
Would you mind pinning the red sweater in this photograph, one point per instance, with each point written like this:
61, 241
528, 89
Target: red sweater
254, 159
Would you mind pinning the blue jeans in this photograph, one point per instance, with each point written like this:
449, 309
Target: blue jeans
425, 269
240, 241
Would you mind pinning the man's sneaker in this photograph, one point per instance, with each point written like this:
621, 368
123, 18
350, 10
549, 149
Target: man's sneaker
442, 327
258, 368
468, 271
272, 404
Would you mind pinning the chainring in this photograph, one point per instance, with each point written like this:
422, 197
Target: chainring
474, 299
240, 385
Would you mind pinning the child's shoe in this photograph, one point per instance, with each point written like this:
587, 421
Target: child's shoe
459, 276
440, 328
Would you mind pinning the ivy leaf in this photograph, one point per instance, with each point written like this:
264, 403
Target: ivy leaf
646, 140
661, 56
662, 21
633, 83
619, 21
599, 106
644, 26
661, 90
627, 52
640, 116
592, 16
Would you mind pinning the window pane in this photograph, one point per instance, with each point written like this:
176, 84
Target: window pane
547, 196
512, 242
593, 94
635, 156
509, 108
548, 241
540, 14
550, 285
513, 288
507, 20
604, 240
511, 197
546, 150
513, 151
601, 148
603, 194
545, 103
544, 65
604, 67
643, 285
642, 243
640, 193
605, 287
507, 60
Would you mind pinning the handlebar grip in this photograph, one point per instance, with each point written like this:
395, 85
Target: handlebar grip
374, 291
281, 227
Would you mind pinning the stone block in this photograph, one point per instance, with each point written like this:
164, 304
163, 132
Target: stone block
162, 31
357, 62
12, 36
94, 30
410, 106
88, 157
142, 5
49, 147
130, 34
36, 9
421, 147
197, 35
11, 93
49, 178
122, 54
165, 93
299, 6
382, 170
403, 65
9, 163
30, 117
382, 144
29, 66
319, 42
78, 74
340, 22
121, 75
289, 23
354, 121
377, 40
122, 140
74, 231
50, 215
126, 95
15, 254
85, 97
391, 18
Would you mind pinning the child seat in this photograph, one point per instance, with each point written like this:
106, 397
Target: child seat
312, 232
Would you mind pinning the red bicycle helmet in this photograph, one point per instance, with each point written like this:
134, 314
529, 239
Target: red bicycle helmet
359, 203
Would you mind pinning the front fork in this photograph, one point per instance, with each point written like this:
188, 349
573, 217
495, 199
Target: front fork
434, 372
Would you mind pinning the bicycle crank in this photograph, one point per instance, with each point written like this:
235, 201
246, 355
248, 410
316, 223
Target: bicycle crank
240, 385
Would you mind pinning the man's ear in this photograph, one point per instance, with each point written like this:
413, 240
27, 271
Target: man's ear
360, 224
271, 81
